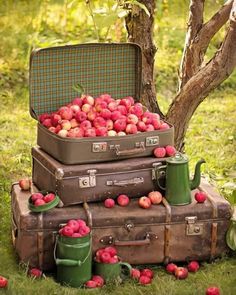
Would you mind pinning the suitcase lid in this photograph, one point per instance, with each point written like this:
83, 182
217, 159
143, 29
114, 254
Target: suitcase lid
113, 68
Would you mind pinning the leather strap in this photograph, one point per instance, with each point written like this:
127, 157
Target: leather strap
212, 201
214, 228
167, 233
40, 242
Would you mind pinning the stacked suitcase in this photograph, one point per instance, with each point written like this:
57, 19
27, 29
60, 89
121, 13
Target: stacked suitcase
84, 172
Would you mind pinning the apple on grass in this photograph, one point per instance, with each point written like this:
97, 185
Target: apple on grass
212, 291
181, 273
98, 279
193, 266
171, 267
147, 273
143, 280
91, 284
3, 282
135, 273
35, 273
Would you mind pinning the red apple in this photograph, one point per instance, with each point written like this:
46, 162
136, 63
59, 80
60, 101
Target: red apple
120, 125
121, 133
39, 202
79, 132
193, 266
131, 129
170, 150
105, 257
90, 132
150, 127
75, 109
86, 108
123, 200
147, 118
122, 109
105, 114
76, 235
159, 152
132, 119
147, 273
136, 109
115, 115
49, 198
109, 203
65, 124
58, 128
101, 131
98, 279
81, 222
81, 116
77, 101
144, 202
35, 273
73, 224
101, 106
200, 197
112, 106
85, 124
141, 126
164, 126
67, 231
135, 273
114, 260
55, 119
111, 250
43, 117
84, 231
65, 113
3, 282
126, 102
52, 129
155, 197
74, 123
131, 99
143, 280
156, 124
25, 184
212, 291
98, 254
88, 100
36, 196
47, 123
99, 122
171, 267
91, 115
181, 273
90, 284
71, 133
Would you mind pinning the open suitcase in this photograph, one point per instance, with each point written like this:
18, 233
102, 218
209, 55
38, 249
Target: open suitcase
99, 68
95, 182
159, 234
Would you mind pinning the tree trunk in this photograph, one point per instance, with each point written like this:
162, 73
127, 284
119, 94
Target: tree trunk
140, 30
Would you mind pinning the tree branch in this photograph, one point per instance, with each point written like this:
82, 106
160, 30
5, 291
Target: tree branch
203, 82
188, 62
211, 27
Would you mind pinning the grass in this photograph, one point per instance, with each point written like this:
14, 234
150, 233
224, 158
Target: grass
211, 133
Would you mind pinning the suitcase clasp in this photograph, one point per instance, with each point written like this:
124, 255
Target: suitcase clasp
88, 181
193, 228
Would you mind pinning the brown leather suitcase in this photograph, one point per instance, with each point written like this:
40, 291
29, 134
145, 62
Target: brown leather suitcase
142, 236
113, 68
95, 182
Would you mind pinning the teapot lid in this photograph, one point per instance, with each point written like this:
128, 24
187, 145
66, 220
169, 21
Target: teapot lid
178, 158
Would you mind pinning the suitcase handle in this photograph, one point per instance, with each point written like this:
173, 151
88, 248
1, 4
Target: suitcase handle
136, 150
144, 242
132, 181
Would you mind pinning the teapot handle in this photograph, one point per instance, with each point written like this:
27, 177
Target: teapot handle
158, 176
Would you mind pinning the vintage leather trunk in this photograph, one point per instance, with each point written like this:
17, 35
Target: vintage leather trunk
160, 234
99, 68
95, 182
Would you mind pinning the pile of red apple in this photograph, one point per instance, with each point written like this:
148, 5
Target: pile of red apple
182, 272
106, 255
154, 198
122, 200
143, 276
38, 199
86, 116
75, 229
95, 282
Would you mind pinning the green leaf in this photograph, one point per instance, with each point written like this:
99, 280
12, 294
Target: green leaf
105, 21
140, 5
79, 88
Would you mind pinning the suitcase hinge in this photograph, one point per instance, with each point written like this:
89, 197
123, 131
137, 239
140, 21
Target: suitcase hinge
88, 181
193, 228
59, 173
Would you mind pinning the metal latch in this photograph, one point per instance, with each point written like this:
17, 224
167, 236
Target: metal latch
193, 228
88, 181
158, 171
152, 140
99, 147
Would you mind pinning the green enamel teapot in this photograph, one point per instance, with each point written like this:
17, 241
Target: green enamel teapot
178, 185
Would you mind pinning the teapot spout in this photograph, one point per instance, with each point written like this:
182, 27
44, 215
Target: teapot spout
195, 182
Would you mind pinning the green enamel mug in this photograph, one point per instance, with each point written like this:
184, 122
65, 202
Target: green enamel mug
111, 271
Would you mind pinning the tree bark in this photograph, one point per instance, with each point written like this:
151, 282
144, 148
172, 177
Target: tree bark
199, 36
203, 82
140, 30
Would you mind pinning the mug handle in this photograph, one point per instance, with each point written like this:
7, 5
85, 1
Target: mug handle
127, 265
